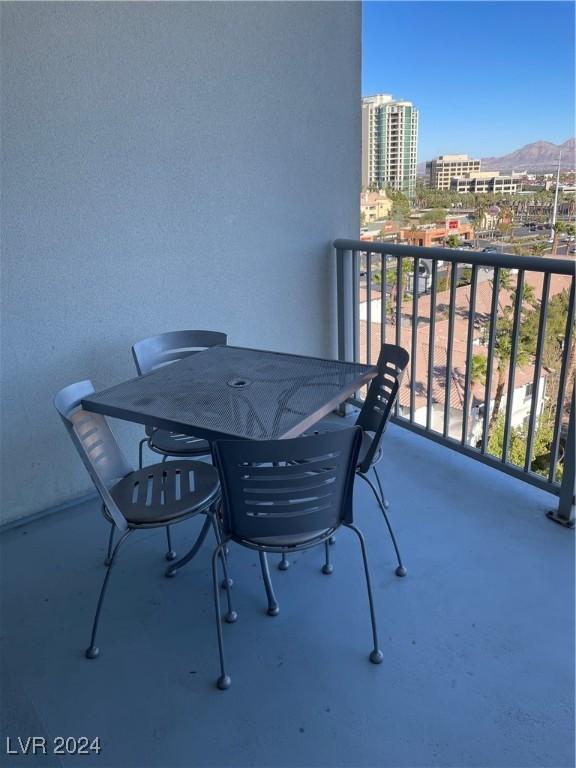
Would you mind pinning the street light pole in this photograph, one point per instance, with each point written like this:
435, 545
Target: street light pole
554, 212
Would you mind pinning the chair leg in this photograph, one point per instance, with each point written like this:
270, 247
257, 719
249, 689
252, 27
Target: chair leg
140, 452
273, 607
227, 581
400, 570
110, 544
193, 552
224, 680
327, 568
170, 554
284, 563
384, 499
93, 651
376, 654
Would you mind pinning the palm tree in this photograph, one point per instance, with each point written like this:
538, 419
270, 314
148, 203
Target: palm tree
503, 345
537, 248
478, 367
529, 296
559, 229
413, 234
506, 220
480, 208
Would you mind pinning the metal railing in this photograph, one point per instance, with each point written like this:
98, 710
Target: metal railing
492, 351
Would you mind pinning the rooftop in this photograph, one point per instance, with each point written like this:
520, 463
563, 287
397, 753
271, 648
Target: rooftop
478, 645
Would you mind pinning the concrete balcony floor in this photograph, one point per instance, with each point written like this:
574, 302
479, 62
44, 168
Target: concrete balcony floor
478, 639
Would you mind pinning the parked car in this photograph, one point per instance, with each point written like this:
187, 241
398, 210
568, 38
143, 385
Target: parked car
490, 249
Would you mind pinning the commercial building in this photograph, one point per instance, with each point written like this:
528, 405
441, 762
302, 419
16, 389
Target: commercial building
389, 143
441, 170
434, 235
483, 183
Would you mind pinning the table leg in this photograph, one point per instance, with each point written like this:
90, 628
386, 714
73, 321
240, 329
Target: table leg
194, 551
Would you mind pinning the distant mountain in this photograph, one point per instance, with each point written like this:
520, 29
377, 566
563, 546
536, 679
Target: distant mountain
540, 156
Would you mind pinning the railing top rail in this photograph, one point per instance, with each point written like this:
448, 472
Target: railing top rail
504, 260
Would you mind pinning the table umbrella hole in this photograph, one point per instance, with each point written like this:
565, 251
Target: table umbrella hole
239, 383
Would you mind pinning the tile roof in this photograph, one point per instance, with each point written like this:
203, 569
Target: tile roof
523, 374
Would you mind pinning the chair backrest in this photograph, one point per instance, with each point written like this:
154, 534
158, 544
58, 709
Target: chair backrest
94, 441
157, 351
284, 488
382, 393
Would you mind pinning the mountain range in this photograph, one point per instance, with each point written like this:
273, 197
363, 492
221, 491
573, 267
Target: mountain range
540, 156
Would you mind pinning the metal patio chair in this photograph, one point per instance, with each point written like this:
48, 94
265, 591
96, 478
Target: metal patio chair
154, 497
373, 420
155, 352
286, 495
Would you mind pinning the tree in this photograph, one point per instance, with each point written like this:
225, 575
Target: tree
480, 209
400, 211
392, 274
442, 284
436, 215
559, 229
554, 330
452, 241
518, 443
506, 220
503, 344
552, 352
478, 368
562, 228
538, 248
465, 277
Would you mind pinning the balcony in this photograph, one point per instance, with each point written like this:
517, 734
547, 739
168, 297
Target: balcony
143, 191
478, 645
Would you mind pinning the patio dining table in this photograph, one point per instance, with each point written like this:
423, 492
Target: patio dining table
235, 392
227, 392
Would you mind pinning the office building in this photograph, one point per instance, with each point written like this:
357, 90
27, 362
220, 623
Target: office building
441, 170
483, 183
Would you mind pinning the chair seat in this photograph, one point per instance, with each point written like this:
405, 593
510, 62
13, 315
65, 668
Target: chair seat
177, 444
291, 541
163, 492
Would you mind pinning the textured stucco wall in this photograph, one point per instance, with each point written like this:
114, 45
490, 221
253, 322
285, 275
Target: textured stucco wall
164, 166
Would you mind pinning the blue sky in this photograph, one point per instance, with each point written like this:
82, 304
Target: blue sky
487, 77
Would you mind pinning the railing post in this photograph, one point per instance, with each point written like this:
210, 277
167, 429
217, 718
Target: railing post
345, 290
565, 512
345, 310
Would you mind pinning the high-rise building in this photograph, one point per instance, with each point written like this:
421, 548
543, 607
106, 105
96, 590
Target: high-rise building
441, 170
389, 143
